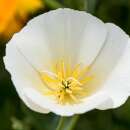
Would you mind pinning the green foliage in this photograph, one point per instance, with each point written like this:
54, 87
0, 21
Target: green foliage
14, 115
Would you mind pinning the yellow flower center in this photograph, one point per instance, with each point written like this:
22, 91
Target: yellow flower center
66, 83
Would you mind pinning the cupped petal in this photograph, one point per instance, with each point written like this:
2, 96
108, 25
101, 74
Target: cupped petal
22, 74
117, 85
26, 79
112, 67
63, 33
86, 105
49, 37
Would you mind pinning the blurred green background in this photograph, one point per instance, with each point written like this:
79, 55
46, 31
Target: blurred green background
14, 115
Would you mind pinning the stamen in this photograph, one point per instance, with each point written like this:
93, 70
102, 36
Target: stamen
65, 83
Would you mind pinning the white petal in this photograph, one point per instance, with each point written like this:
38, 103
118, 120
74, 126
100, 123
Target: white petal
117, 85
22, 74
112, 67
108, 103
61, 33
86, 105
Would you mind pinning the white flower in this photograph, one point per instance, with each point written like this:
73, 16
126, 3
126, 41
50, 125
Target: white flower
69, 62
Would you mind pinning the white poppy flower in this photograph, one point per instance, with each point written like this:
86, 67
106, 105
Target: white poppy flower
70, 62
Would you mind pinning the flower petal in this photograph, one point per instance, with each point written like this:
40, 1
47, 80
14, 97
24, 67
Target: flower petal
59, 34
22, 74
112, 67
88, 104
117, 85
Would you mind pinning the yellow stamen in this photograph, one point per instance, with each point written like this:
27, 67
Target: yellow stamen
66, 84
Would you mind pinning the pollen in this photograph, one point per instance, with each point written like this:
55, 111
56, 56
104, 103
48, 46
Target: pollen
66, 83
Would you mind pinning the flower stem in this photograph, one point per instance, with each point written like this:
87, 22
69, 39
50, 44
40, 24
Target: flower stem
70, 125
60, 123
73, 122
